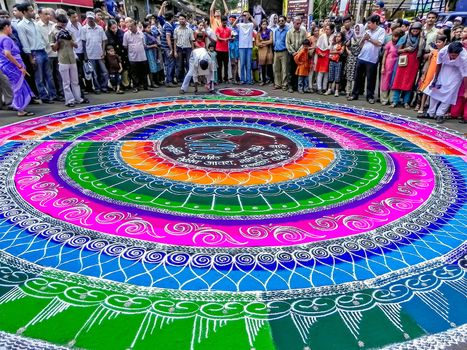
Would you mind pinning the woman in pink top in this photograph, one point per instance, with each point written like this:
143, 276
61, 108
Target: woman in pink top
389, 61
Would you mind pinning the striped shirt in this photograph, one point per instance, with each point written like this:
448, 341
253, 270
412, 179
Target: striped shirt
184, 37
167, 29
294, 39
30, 36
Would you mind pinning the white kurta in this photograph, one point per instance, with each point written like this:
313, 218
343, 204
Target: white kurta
450, 77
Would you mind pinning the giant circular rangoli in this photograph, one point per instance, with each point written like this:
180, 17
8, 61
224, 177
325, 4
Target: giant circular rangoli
231, 223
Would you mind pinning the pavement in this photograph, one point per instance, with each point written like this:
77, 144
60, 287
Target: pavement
8, 117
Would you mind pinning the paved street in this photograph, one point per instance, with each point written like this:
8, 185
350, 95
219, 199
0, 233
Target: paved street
10, 117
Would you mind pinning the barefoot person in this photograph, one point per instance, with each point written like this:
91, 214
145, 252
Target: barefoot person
13, 67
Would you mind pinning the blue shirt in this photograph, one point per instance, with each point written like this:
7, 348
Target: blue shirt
279, 39
167, 29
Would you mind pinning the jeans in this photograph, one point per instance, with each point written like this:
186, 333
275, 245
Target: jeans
370, 70
43, 76
115, 79
398, 94
303, 83
70, 80
183, 62
245, 66
169, 63
100, 76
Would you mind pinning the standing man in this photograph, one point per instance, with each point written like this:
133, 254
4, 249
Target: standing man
215, 15
62, 41
430, 32
94, 40
46, 26
34, 46
223, 34
367, 62
293, 41
183, 38
75, 28
281, 55
167, 45
133, 40
245, 24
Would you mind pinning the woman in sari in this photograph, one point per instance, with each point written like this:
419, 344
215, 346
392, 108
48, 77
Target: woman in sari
13, 67
410, 49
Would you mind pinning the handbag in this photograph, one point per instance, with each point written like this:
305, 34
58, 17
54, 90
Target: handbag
403, 61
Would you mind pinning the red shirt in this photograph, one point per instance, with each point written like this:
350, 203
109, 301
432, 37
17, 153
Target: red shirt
224, 33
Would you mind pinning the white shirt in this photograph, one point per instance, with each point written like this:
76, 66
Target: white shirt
30, 36
93, 38
450, 77
198, 55
370, 52
45, 30
76, 31
245, 35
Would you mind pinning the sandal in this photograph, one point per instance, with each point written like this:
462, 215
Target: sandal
26, 114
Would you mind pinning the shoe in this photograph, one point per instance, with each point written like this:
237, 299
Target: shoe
439, 120
36, 101
135, 90
70, 104
336, 94
59, 99
251, 83
49, 102
25, 114
84, 101
406, 106
170, 85
352, 98
463, 121
276, 87
371, 101
423, 116
328, 92
154, 86
105, 91
301, 92
181, 92
149, 89
385, 103
97, 92
119, 92
290, 90
393, 105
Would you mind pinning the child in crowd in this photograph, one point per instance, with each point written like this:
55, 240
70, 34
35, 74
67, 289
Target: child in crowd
429, 70
390, 58
335, 64
213, 55
113, 63
303, 61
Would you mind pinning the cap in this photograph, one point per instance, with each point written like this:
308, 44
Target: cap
381, 4
448, 24
405, 22
90, 14
458, 18
416, 25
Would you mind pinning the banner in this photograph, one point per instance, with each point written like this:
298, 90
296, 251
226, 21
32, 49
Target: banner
297, 7
78, 3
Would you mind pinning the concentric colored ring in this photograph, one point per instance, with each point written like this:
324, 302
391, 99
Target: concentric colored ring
256, 217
